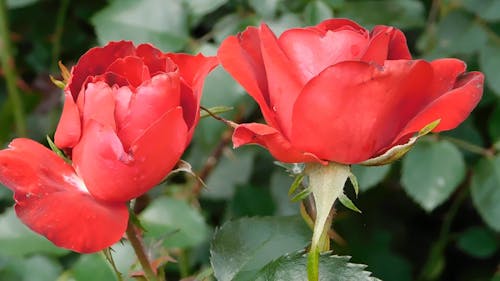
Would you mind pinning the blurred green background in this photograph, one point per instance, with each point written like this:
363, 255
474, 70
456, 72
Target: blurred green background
435, 215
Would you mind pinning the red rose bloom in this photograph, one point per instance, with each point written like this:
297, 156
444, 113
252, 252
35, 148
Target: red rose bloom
129, 113
337, 92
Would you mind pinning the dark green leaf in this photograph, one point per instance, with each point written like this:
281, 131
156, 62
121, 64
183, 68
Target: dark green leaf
316, 11
242, 247
431, 172
202, 7
331, 268
280, 183
153, 21
478, 242
92, 267
400, 13
174, 222
245, 198
12, 4
488, 10
485, 192
489, 60
370, 176
266, 9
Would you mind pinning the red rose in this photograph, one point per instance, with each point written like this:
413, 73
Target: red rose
129, 113
337, 92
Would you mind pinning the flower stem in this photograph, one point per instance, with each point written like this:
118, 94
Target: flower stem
135, 241
7, 62
327, 184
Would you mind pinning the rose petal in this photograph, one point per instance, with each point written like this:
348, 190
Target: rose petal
69, 127
339, 24
284, 80
398, 48
131, 68
51, 201
452, 108
273, 140
115, 175
193, 71
312, 51
99, 104
154, 59
95, 61
152, 100
362, 107
241, 57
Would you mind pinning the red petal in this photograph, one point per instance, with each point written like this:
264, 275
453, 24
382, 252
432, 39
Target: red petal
283, 79
241, 57
193, 71
132, 68
112, 174
273, 140
452, 108
311, 52
95, 61
353, 109
398, 48
150, 102
153, 58
340, 24
69, 127
99, 104
51, 200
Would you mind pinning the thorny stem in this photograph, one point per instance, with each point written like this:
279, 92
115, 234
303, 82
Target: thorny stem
135, 241
8, 64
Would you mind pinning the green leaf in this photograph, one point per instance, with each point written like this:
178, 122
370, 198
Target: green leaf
92, 267
242, 247
12, 4
39, 268
488, 10
478, 242
174, 222
159, 22
485, 192
243, 202
315, 12
331, 268
456, 34
431, 172
348, 203
493, 128
266, 9
489, 60
202, 7
370, 176
400, 13
280, 182
16, 239
229, 172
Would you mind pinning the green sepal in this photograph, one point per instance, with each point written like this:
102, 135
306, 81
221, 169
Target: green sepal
215, 110
57, 151
355, 183
301, 195
109, 257
348, 203
398, 151
295, 184
60, 84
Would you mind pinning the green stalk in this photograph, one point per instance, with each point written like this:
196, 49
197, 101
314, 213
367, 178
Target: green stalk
327, 184
138, 247
8, 64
